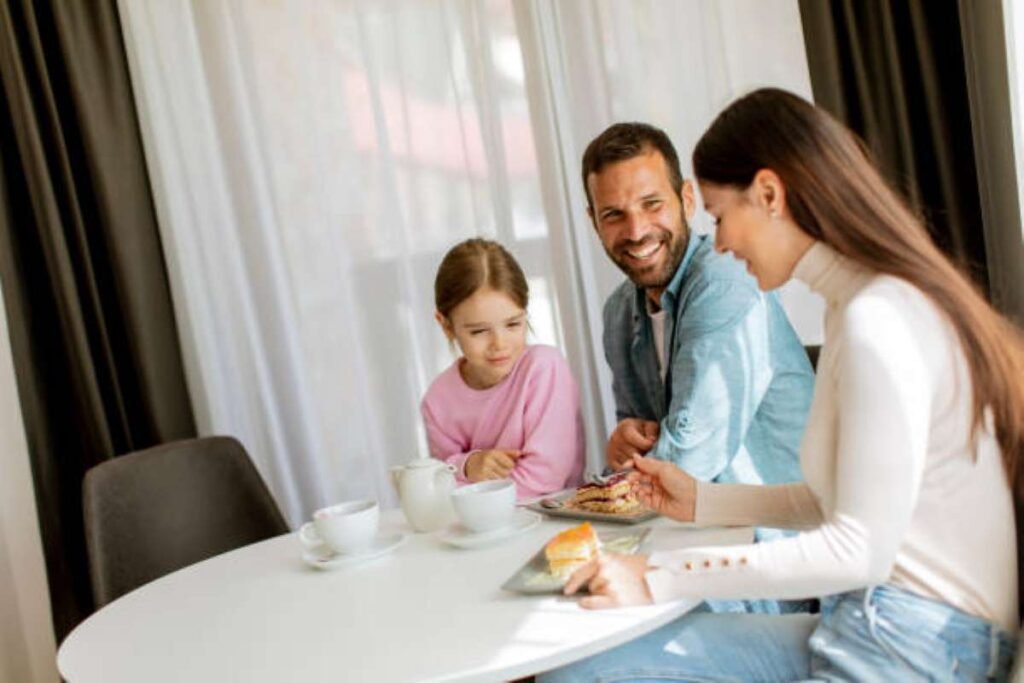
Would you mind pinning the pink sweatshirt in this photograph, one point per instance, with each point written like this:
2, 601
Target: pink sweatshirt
535, 410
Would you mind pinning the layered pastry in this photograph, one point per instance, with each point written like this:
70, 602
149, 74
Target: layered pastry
615, 496
571, 549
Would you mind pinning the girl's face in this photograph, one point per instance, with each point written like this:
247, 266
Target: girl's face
754, 225
490, 329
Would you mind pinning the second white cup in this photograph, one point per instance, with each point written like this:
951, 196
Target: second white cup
486, 505
347, 528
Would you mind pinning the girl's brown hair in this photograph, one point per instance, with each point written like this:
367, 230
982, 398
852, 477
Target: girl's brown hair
473, 264
836, 195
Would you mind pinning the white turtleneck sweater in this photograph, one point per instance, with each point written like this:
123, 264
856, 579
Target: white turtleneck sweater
892, 492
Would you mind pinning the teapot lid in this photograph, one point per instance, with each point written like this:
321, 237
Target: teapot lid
424, 462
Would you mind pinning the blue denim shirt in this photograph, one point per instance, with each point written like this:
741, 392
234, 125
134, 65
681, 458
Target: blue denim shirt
734, 402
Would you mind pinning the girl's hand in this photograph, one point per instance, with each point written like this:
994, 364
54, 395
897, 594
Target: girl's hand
497, 463
664, 488
615, 581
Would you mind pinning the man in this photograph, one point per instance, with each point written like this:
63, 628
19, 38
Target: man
707, 371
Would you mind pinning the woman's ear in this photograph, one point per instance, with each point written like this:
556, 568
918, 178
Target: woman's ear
445, 324
770, 192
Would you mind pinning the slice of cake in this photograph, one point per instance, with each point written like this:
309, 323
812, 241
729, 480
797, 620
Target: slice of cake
615, 496
571, 549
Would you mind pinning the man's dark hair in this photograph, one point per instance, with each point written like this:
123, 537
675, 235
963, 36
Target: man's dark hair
623, 141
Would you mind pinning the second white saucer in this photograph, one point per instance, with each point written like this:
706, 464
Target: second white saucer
461, 537
325, 558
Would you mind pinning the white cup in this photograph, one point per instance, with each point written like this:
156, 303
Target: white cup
486, 505
347, 528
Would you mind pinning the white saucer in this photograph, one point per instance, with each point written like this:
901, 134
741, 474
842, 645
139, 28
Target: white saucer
461, 537
323, 557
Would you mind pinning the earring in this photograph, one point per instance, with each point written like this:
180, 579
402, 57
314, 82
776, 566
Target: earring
774, 214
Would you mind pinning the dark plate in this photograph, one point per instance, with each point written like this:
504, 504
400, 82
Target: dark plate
632, 518
533, 577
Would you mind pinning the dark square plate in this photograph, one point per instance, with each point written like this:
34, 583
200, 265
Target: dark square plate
534, 578
633, 518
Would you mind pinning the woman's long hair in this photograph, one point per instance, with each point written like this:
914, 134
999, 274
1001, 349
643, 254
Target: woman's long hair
836, 195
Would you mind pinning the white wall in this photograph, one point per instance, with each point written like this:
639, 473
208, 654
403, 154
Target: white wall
27, 647
993, 37
1007, 255
1013, 18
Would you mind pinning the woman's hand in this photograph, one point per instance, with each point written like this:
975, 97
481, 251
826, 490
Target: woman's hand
497, 463
615, 581
664, 488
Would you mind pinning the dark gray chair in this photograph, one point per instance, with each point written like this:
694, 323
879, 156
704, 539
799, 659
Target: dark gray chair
812, 355
151, 512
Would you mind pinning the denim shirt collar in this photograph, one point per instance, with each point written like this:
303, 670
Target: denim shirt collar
670, 296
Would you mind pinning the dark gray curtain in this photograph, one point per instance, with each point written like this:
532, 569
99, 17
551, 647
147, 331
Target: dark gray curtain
85, 287
893, 71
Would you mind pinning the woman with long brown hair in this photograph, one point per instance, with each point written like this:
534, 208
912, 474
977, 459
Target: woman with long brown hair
909, 456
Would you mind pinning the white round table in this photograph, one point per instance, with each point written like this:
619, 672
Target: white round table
424, 612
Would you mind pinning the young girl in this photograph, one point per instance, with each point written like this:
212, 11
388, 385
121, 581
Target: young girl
504, 409
909, 455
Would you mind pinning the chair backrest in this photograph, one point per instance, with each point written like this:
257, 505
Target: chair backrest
812, 355
151, 512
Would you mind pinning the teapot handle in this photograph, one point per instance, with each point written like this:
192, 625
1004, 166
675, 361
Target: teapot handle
308, 535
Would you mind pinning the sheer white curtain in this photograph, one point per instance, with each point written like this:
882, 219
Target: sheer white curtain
312, 161
672, 63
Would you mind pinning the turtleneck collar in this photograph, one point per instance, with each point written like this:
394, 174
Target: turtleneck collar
830, 274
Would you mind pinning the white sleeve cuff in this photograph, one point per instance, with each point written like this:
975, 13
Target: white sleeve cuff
663, 585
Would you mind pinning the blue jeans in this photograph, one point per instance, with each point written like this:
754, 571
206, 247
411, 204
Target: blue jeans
754, 606
877, 634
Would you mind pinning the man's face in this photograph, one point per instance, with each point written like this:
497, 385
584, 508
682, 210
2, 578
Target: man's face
640, 219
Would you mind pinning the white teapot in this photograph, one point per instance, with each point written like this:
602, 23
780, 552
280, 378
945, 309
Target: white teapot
424, 486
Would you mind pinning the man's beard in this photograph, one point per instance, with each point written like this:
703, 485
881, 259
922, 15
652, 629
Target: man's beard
654, 275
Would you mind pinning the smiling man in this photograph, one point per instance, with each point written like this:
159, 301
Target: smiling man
707, 371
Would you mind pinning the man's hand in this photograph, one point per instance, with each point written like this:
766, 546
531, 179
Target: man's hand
493, 464
615, 581
631, 437
664, 488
